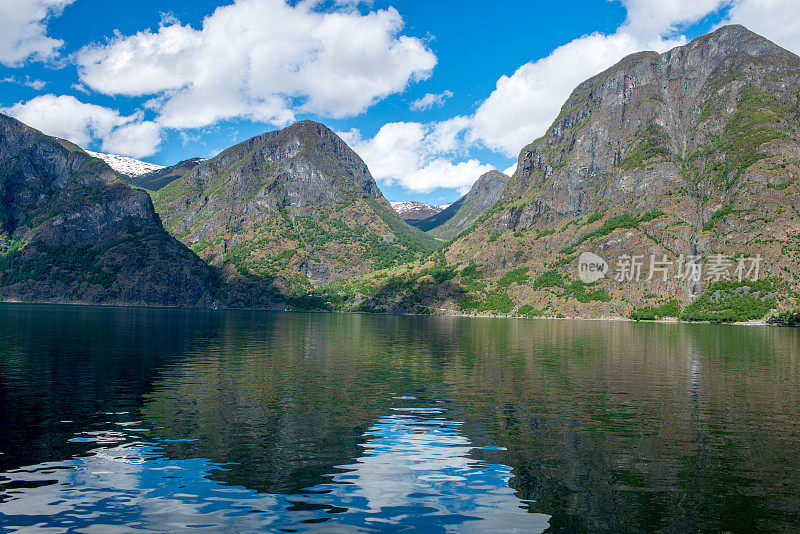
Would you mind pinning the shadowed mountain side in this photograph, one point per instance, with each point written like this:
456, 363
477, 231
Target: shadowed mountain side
155, 180
72, 231
293, 209
462, 214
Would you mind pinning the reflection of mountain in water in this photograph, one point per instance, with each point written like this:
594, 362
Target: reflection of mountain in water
416, 472
607, 426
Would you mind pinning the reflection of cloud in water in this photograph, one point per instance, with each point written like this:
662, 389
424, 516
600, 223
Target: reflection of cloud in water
415, 472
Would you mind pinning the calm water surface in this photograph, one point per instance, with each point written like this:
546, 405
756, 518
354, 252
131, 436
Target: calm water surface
166, 421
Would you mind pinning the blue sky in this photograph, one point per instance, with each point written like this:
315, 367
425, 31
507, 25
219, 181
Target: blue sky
167, 80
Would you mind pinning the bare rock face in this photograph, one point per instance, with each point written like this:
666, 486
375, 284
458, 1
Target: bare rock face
72, 231
462, 214
295, 208
156, 179
630, 134
415, 211
695, 151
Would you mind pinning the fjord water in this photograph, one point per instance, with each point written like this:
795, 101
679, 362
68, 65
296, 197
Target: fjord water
167, 420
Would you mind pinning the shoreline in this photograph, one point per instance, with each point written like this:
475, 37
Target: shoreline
450, 313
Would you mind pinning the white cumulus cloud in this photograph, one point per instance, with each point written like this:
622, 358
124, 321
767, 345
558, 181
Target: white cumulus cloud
431, 100
23, 30
525, 103
260, 59
419, 157
778, 20
650, 19
83, 124
137, 139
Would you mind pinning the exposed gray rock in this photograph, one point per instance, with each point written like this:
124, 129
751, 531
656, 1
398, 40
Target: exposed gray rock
155, 180
71, 230
670, 105
295, 207
463, 213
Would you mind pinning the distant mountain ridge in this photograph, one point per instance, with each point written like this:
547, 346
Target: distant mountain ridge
155, 180
415, 211
462, 214
294, 209
72, 231
125, 165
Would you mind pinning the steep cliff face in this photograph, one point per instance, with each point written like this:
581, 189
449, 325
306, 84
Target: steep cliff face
656, 122
411, 212
462, 214
294, 208
71, 230
158, 178
693, 154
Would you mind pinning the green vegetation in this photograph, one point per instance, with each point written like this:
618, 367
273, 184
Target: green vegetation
783, 185
493, 301
518, 276
383, 254
570, 223
787, 318
650, 313
471, 272
471, 278
495, 236
623, 220
596, 216
549, 278
731, 302
651, 216
654, 142
578, 290
544, 233
55, 264
753, 124
566, 260
717, 217
529, 311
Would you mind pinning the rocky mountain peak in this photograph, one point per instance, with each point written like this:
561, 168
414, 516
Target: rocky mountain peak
660, 107
304, 168
296, 204
71, 230
463, 213
490, 179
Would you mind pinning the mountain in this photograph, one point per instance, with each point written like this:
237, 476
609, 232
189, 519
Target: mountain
124, 165
693, 152
158, 178
72, 231
290, 209
461, 215
416, 211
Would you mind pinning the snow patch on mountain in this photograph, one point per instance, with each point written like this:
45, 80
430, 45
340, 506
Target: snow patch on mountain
416, 210
125, 165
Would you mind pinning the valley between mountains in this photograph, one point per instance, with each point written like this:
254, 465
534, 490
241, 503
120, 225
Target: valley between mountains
694, 153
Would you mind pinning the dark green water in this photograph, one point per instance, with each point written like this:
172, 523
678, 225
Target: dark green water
235, 421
